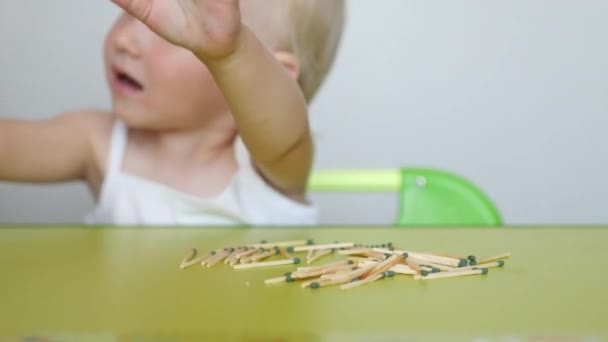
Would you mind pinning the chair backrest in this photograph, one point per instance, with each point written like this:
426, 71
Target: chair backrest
427, 197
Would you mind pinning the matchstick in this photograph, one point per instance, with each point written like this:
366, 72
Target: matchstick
285, 254
328, 246
320, 254
191, 253
282, 244
367, 280
403, 269
248, 258
499, 263
326, 266
265, 255
309, 255
283, 279
452, 274
192, 262
233, 255
218, 257
429, 258
494, 258
267, 264
328, 282
358, 273
356, 251
247, 253
387, 264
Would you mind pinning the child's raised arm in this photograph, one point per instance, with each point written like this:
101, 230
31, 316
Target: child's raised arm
266, 102
54, 150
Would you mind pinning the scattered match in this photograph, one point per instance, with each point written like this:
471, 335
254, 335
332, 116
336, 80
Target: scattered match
360, 264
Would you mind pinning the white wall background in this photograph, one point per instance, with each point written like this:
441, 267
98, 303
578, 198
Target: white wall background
511, 94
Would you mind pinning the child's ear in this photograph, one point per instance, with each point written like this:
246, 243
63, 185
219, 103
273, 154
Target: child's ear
290, 62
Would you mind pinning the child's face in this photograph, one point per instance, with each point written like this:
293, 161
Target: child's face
157, 85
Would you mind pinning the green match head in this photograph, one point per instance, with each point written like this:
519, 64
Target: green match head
424, 273
436, 270
213, 253
472, 262
290, 249
387, 255
405, 255
315, 285
390, 244
472, 258
296, 260
263, 241
484, 271
350, 262
287, 274
501, 263
310, 242
391, 274
288, 278
463, 262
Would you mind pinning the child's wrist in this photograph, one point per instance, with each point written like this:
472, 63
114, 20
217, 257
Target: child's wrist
238, 45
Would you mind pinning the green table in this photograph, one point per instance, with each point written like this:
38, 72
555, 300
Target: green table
124, 284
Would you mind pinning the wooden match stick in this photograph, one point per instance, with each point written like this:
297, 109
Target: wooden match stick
248, 258
452, 274
386, 264
267, 264
356, 251
218, 257
285, 254
370, 279
321, 272
339, 272
308, 283
320, 254
328, 282
443, 268
429, 258
326, 266
328, 246
265, 255
494, 258
233, 255
277, 280
413, 265
356, 273
192, 262
403, 269
282, 244
247, 253
452, 256
191, 253
499, 263
309, 255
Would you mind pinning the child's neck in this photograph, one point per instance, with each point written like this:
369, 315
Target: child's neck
198, 161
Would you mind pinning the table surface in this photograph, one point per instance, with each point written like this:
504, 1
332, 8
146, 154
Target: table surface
110, 284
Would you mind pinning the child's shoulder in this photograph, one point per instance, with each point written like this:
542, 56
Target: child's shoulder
96, 125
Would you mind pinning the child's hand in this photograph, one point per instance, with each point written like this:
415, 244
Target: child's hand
209, 28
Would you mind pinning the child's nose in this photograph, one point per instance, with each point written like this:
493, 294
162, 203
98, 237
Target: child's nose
130, 39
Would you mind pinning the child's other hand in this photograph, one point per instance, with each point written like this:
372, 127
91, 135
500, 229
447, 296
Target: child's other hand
209, 28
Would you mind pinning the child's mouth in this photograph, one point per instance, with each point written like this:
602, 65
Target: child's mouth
127, 81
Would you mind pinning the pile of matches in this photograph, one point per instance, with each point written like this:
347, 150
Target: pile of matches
362, 264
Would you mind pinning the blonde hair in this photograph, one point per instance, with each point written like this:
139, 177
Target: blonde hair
314, 29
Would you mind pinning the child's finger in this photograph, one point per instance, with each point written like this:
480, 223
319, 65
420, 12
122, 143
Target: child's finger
140, 9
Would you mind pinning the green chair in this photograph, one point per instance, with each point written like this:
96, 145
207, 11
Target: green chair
427, 197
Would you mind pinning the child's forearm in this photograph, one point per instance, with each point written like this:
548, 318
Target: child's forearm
268, 106
43, 151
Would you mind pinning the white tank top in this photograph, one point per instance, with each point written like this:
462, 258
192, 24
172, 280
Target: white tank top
247, 200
